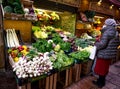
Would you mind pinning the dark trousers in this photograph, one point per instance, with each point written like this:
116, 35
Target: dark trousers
101, 80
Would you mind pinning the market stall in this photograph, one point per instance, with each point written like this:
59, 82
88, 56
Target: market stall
42, 46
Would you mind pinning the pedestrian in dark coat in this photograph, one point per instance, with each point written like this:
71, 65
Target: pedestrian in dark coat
106, 50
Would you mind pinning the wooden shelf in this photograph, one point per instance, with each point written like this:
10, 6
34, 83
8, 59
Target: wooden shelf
73, 3
14, 16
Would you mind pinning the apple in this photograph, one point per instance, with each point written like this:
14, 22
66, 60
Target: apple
13, 55
20, 48
9, 50
15, 51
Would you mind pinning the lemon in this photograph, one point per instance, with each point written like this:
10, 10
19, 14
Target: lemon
16, 59
25, 47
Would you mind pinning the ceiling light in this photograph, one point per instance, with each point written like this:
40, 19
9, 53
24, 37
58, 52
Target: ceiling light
99, 2
98, 17
111, 6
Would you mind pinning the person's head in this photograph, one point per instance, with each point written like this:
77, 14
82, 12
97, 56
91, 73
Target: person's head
110, 22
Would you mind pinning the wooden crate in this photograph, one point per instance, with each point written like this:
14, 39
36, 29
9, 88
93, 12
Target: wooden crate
45, 83
76, 72
86, 67
64, 78
51, 81
68, 79
27, 86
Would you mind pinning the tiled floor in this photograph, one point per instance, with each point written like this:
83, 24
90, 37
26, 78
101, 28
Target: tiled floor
7, 80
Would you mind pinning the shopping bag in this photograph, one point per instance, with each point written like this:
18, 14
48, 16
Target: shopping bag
93, 53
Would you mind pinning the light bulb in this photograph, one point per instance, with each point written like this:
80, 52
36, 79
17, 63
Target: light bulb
111, 6
99, 2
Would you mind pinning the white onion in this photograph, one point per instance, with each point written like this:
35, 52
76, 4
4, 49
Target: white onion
38, 66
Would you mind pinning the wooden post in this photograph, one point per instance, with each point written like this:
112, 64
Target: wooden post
55, 81
70, 75
76, 72
47, 83
67, 75
51, 81
28, 86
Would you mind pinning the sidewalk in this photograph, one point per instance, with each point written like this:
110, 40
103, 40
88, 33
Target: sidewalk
112, 80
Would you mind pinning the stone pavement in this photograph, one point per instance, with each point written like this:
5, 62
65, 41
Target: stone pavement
112, 80
7, 80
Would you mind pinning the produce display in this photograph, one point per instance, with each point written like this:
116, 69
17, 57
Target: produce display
12, 6
52, 40
84, 42
72, 40
55, 51
42, 32
43, 45
18, 52
37, 66
52, 48
85, 36
46, 16
96, 33
29, 11
60, 60
25, 57
27, 62
68, 21
80, 55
